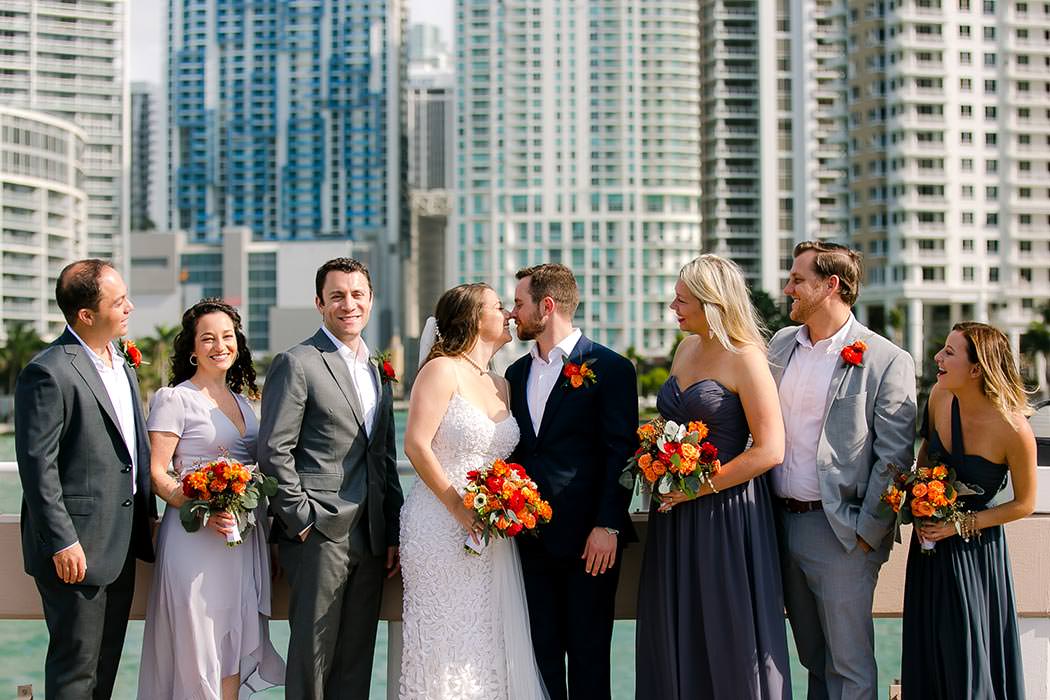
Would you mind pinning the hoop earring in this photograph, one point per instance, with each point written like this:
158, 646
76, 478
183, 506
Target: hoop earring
193, 360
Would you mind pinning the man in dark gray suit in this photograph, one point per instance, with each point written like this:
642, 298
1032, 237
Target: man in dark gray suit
83, 458
848, 400
327, 435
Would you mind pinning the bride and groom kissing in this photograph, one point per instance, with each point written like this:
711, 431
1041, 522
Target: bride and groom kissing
503, 624
471, 623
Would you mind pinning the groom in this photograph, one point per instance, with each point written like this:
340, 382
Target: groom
327, 435
577, 432
848, 399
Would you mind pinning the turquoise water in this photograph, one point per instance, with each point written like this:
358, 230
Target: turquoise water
23, 643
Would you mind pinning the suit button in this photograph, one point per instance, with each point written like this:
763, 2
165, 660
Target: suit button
125, 470
126, 503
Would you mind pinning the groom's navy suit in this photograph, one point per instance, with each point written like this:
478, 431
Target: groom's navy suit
583, 443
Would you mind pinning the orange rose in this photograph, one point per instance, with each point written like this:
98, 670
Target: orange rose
697, 427
921, 508
544, 510
500, 468
690, 452
644, 461
659, 468
576, 380
935, 487
686, 467
218, 485
940, 471
919, 490
468, 500
238, 487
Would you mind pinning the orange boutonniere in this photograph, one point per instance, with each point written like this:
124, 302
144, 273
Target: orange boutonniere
386, 368
577, 375
132, 354
853, 354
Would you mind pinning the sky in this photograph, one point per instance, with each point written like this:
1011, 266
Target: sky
148, 30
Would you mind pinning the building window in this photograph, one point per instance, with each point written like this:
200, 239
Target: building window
967, 245
967, 273
992, 246
993, 274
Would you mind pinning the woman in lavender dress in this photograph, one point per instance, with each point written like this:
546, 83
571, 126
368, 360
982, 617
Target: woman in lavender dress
710, 605
206, 634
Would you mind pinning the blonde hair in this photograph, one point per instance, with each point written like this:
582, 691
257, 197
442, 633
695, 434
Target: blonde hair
719, 286
988, 348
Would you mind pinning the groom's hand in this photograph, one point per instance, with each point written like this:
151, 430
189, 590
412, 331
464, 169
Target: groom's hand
393, 562
599, 552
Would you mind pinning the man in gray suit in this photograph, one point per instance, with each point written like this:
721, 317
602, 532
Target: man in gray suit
83, 459
327, 435
848, 399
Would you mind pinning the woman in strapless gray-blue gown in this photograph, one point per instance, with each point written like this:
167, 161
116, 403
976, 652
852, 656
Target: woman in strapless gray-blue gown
710, 605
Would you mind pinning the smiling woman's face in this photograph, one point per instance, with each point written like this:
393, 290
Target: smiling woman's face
215, 342
954, 368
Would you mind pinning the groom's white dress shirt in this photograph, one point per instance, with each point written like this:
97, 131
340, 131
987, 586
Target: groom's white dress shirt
544, 375
803, 395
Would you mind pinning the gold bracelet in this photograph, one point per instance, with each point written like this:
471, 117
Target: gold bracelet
968, 526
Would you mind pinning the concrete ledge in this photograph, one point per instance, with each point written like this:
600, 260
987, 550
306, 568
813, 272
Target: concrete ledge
1029, 556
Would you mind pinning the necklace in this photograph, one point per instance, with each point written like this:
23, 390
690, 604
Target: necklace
473, 364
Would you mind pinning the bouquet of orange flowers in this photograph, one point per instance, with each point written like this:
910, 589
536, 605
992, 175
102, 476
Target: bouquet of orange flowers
925, 494
673, 457
224, 484
505, 500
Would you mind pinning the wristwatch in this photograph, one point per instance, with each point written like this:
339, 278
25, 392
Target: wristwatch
611, 531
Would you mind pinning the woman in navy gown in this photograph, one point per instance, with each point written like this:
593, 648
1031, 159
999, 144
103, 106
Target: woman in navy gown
960, 635
710, 604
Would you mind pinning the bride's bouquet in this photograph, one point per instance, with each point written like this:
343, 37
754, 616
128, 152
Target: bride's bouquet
672, 457
926, 494
224, 484
506, 502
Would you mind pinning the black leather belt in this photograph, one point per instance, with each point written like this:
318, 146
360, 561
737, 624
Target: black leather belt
793, 506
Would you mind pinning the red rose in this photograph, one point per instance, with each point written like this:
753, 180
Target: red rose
388, 369
708, 452
516, 501
571, 369
853, 354
518, 469
494, 483
513, 530
473, 475
135, 354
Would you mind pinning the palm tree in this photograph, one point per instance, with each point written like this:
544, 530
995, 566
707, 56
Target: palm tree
23, 343
1035, 345
156, 350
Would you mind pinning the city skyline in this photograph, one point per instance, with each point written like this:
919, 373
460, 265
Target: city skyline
148, 29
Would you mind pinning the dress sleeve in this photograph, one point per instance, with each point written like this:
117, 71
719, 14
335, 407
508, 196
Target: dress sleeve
166, 412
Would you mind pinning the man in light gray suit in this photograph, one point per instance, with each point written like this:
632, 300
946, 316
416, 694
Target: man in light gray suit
83, 458
327, 435
848, 399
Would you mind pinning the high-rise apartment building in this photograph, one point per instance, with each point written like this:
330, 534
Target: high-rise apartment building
148, 176
43, 215
286, 116
917, 131
950, 163
69, 60
578, 142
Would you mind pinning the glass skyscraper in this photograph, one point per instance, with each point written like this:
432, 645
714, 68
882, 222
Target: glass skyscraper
285, 116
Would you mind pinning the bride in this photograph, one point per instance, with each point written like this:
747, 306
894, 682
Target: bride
465, 622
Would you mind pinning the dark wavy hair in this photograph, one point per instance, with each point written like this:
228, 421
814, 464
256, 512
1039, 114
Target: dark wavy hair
241, 376
458, 316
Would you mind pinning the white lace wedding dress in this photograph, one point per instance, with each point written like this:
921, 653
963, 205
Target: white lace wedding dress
466, 628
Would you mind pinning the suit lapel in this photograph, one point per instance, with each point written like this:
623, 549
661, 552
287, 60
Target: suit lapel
337, 366
781, 355
578, 355
842, 370
521, 399
86, 368
380, 388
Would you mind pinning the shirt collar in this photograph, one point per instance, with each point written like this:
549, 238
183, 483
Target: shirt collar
344, 350
833, 344
566, 347
115, 357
